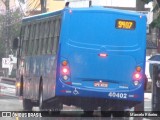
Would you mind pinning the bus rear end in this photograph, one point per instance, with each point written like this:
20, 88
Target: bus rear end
101, 58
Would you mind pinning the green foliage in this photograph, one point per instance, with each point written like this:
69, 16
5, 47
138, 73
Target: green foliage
14, 26
2, 49
156, 7
156, 22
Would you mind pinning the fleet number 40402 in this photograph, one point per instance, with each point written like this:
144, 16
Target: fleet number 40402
118, 95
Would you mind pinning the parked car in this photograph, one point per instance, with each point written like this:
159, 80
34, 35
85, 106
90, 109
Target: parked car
7, 87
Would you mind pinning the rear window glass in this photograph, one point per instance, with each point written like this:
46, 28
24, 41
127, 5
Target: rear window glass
100, 29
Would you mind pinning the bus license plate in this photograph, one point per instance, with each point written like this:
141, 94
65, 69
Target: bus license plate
100, 84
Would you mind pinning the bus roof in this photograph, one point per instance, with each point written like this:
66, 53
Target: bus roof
41, 16
101, 9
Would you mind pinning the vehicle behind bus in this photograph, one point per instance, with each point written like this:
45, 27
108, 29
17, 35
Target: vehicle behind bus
92, 57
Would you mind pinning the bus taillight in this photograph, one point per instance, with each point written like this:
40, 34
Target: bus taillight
65, 71
137, 76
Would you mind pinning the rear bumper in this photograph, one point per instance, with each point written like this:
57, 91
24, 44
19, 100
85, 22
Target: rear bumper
134, 95
93, 103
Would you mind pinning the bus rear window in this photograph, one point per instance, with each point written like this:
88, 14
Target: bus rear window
100, 29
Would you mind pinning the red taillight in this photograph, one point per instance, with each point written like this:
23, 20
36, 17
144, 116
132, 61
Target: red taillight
65, 70
137, 76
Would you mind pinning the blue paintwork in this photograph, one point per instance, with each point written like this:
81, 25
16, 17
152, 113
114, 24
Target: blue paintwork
42, 16
89, 31
86, 32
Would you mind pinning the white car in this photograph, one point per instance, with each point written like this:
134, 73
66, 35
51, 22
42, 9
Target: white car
7, 87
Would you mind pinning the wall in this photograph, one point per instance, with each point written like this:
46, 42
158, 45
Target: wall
33, 6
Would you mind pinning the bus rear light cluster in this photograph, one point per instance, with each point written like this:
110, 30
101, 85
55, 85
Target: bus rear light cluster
137, 75
65, 70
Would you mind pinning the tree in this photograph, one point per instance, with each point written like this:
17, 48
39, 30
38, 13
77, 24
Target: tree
155, 22
15, 24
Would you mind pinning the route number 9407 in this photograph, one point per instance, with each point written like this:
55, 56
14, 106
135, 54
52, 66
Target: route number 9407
118, 95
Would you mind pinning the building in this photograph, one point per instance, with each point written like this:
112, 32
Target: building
34, 7
139, 6
12, 5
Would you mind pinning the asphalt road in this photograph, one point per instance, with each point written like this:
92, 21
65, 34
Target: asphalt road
8, 103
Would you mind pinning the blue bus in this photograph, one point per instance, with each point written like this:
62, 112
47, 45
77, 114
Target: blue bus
87, 57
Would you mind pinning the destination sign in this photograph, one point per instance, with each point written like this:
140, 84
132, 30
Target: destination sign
125, 24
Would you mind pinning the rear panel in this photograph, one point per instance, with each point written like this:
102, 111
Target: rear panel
102, 54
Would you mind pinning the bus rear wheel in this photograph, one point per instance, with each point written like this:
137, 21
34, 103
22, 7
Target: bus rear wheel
106, 113
27, 104
88, 113
41, 106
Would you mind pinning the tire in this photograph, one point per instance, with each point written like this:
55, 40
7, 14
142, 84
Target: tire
21, 87
87, 113
27, 105
118, 112
56, 108
54, 113
106, 113
41, 106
